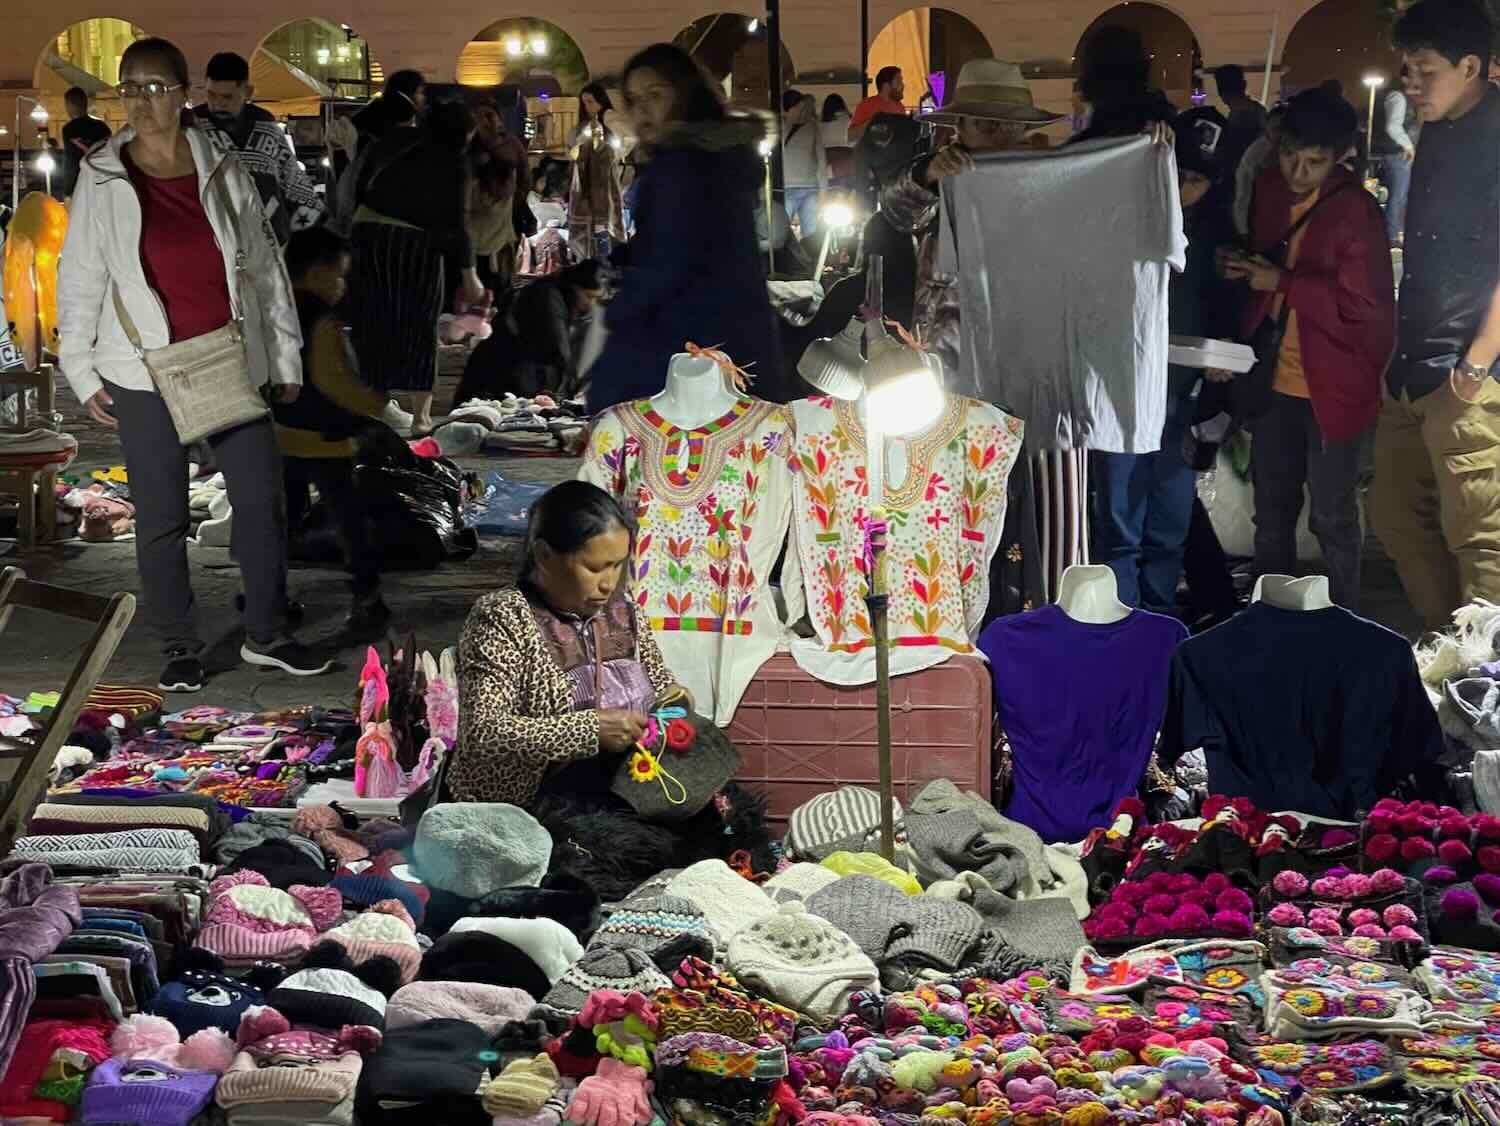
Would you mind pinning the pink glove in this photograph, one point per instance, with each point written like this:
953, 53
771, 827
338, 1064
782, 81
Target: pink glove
615, 1095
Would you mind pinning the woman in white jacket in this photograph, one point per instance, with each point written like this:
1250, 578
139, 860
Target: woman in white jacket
149, 228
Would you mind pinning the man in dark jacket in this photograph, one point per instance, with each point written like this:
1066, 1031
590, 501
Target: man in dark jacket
1436, 502
398, 105
1324, 270
79, 135
290, 200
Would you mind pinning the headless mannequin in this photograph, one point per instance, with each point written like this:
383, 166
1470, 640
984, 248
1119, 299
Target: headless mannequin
695, 394
1288, 593
1089, 594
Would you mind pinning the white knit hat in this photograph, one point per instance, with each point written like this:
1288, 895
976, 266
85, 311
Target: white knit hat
798, 881
728, 900
552, 946
842, 820
801, 961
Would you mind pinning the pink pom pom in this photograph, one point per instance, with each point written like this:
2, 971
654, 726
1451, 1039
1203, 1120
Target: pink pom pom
1413, 824
1486, 827
1358, 886
143, 1036
1188, 919
1489, 858
1398, 914
1181, 882
1405, 934
1215, 882
1325, 926
1328, 887
1382, 847
1198, 898
1337, 838
1487, 884
1455, 852
1131, 891
1289, 883
1233, 899
1440, 874
1159, 882
1097, 928
1459, 903
1370, 930
1159, 905
1380, 821
1286, 915
1417, 848
1233, 924
208, 1050
259, 1022
1454, 826
1362, 916
1387, 880
1152, 926
1322, 913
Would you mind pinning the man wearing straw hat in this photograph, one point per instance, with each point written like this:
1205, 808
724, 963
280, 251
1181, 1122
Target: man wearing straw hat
991, 109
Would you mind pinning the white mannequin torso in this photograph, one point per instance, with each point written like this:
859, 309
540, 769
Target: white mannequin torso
1288, 593
695, 393
1089, 594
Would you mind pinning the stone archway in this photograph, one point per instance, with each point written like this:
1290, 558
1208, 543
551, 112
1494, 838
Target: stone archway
84, 54
930, 45
311, 56
1360, 35
1175, 55
731, 46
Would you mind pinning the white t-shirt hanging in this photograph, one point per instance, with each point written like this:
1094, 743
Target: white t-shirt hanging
1063, 258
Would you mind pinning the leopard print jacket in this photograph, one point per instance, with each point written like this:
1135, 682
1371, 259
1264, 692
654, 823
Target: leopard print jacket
515, 717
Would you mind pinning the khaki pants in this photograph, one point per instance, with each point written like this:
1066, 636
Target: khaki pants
1435, 503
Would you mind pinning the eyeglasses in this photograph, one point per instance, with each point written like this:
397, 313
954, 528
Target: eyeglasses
153, 90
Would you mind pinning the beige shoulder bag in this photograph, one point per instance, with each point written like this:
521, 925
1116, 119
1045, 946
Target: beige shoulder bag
206, 381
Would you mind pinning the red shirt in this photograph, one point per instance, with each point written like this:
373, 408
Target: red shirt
875, 104
180, 253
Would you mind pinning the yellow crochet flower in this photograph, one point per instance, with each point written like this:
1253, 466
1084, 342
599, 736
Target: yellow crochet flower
643, 767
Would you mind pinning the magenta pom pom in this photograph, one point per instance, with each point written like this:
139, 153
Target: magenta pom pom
1486, 827
1382, 847
1386, 880
1487, 884
1325, 926
1455, 853
1198, 898
1233, 899
1417, 848
1159, 882
1289, 883
1405, 934
1459, 903
1413, 824
1181, 882
1328, 887
1159, 905
1489, 858
1337, 838
1370, 930
1286, 915
1362, 916
1440, 874
1215, 882
1359, 886
1233, 923
1338, 872
1131, 891
1380, 821
1188, 919
1453, 826
1323, 913
1152, 926
1098, 929
1398, 915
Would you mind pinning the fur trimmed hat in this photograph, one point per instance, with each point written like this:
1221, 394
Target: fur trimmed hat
478, 956
491, 1007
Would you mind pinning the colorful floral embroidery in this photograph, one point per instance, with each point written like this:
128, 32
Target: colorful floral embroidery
1308, 1002
1224, 977
1286, 1057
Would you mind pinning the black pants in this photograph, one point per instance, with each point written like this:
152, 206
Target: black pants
334, 480
157, 463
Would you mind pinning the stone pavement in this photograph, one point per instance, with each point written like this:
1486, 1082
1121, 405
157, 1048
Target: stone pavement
37, 651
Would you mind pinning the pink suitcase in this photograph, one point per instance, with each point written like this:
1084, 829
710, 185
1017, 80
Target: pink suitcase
800, 737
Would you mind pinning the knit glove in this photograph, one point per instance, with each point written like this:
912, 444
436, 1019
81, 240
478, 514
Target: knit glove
522, 1089
615, 1095
629, 1040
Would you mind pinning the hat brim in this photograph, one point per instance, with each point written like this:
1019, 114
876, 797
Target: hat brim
989, 111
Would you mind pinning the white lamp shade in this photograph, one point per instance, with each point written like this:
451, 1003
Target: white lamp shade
833, 364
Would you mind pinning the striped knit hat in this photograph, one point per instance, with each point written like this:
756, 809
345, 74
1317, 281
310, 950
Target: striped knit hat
666, 928
842, 820
624, 969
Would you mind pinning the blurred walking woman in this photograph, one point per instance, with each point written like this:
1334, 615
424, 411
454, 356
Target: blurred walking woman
167, 242
596, 203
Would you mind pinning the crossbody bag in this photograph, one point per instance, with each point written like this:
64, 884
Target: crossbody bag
205, 381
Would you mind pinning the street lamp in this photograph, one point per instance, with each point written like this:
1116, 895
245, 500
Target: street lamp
39, 119
46, 166
1372, 82
835, 217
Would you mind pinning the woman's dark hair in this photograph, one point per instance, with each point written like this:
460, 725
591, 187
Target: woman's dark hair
696, 97
406, 83
449, 123
162, 51
588, 274
1113, 65
833, 105
600, 95
566, 517
1454, 29
789, 99
1319, 119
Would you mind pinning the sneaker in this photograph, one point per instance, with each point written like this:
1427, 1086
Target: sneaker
289, 655
295, 611
396, 418
184, 672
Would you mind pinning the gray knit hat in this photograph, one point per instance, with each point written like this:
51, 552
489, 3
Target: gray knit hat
602, 967
1042, 929
945, 844
666, 928
887, 924
801, 961
842, 820
474, 848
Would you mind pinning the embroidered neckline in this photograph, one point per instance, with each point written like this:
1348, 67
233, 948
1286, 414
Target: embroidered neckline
662, 443
920, 448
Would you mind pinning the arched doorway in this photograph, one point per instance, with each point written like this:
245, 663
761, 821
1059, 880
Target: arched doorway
520, 49
310, 58
1175, 56
732, 47
930, 45
1343, 40
86, 54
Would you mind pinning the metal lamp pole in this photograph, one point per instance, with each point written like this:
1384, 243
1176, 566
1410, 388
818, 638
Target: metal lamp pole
38, 118
1372, 83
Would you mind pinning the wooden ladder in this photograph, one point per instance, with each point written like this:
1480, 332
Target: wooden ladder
33, 756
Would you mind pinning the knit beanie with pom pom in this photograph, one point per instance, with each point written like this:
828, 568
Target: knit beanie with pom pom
801, 961
385, 930
202, 996
331, 991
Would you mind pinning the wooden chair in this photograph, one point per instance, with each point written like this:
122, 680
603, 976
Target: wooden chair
32, 757
34, 486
